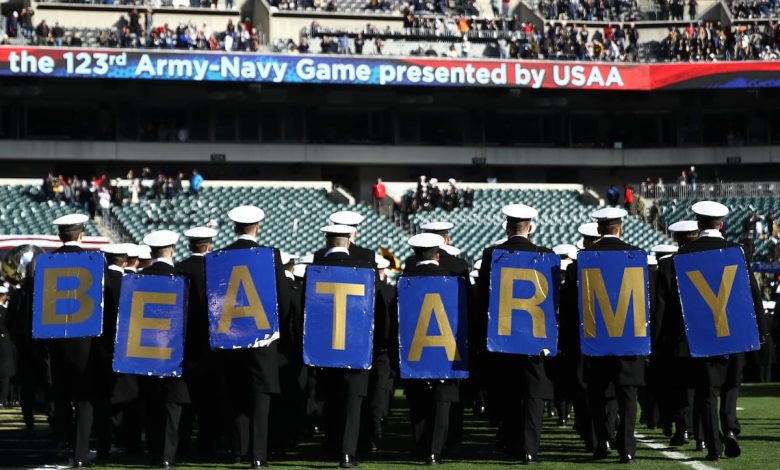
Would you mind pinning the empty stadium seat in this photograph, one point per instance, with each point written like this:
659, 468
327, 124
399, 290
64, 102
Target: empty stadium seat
23, 211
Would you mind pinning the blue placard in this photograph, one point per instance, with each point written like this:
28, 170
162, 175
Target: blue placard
432, 327
524, 291
613, 303
241, 293
717, 302
338, 322
150, 325
68, 295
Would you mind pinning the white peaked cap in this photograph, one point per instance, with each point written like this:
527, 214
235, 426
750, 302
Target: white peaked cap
132, 250
246, 214
114, 249
519, 211
454, 251
434, 180
287, 257
426, 240
590, 229
664, 248
652, 260
438, 226
200, 232
609, 213
306, 259
161, 238
684, 226
452, 181
381, 262
478, 264
580, 245
710, 209
565, 264
346, 218
474, 273
71, 219
564, 249
345, 230
144, 252
3, 289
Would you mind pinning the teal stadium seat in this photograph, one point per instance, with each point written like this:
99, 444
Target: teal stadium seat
23, 211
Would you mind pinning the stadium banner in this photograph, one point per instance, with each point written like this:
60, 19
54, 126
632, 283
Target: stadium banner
150, 325
338, 317
68, 295
433, 327
613, 303
241, 297
717, 302
523, 302
146, 64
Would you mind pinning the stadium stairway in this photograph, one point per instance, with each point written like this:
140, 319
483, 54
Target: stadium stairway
673, 210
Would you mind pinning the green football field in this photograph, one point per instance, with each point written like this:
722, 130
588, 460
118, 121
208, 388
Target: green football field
759, 414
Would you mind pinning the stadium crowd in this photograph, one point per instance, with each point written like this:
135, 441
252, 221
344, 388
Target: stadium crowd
590, 10
98, 194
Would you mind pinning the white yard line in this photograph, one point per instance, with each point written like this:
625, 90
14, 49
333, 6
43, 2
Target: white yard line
673, 454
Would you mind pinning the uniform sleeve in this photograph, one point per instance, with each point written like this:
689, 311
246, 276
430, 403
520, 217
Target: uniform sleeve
568, 314
659, 306
758, 305
282, 287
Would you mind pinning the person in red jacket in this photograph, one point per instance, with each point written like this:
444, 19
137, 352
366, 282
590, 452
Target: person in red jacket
628, 199
379, 191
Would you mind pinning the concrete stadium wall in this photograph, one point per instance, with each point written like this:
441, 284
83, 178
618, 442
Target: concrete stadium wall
382, 155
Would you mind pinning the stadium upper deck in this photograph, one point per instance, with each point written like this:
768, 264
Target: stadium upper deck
583, 30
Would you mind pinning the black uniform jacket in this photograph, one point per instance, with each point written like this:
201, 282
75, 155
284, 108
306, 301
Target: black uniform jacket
451, 264
620, 370
443, 390
350, 381
259, 366
165, 389
669, 337
526, 374
366, 256
196, 341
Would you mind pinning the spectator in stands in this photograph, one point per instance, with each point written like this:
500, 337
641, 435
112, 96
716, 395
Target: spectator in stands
57, 33
628, 199
42, 33
692, 9
359, 43
344, 44
468, 198
451, 195
75, 40
692, 177
26, 21
104, 202
379, 192
196, 182
612, 196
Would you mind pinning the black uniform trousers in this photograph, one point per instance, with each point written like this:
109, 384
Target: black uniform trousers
705, 407
249, 427
162, 429
430, 417
379, 390
342, 421
524, 426
626, 399
729, 392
